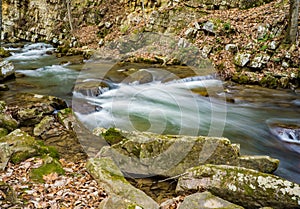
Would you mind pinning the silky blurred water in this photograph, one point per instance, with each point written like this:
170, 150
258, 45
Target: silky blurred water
151, 99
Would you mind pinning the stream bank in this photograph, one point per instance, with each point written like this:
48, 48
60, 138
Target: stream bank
243, 39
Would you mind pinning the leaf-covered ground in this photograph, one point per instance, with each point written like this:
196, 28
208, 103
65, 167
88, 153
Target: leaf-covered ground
74, 189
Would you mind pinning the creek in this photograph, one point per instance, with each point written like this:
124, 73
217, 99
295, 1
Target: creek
162, 100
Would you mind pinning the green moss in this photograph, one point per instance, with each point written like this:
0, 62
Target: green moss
47, 150
21, 156
133, 206
4, 53
3, 132
113, 136
49, 166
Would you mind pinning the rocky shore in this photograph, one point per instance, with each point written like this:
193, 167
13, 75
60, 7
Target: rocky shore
244, 40
43, 163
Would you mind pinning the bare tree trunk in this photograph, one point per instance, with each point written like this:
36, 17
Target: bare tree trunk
0, 23
69, 14
292, 30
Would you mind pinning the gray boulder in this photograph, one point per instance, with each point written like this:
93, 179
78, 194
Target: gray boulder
117, 202
152, 154
206, 200
246, 187
241, 59
108, 176
7, 70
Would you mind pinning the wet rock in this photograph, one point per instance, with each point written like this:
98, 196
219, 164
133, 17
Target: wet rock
4, 53
241, 59
169, 155
7, 70
245, 187
108, 176
206, 200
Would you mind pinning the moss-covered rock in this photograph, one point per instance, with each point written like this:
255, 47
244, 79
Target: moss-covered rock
3, 132
50, 165
170, 155
5, 154
8, 122
246, 187
4, 53
29, 109
23, 146
264, 164
109, 176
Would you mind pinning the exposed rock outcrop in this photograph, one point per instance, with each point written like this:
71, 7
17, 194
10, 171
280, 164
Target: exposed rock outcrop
151, 154
246, 187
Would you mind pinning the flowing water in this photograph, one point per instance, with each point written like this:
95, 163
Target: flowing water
149, 98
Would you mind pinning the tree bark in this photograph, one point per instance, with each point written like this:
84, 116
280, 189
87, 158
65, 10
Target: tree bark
69, 14
292, 30
0, 23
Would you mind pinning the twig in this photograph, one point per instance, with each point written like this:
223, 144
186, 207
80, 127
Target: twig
173, 177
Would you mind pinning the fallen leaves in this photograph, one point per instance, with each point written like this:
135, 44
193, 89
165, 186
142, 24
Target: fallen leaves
75, 189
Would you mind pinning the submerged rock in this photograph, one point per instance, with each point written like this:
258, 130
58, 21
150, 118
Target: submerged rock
108, 176
151, 154
246, 187
206, 200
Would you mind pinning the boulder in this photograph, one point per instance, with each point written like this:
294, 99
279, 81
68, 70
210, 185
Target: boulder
7, 122
29, 109
259, 61
152, 154
7, 70
260, 163
114, 201
206, 200
57, 131
5, 154
145, 153
241, 59
19, 146
108, 176
246, 187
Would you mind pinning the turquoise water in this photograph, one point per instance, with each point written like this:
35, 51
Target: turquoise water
149, 98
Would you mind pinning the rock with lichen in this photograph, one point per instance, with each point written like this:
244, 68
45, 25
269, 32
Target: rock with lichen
108, 176
206, 200
151, 154
246, 187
